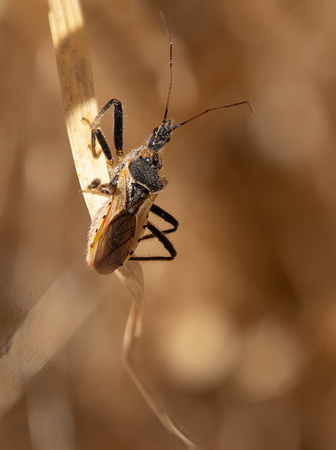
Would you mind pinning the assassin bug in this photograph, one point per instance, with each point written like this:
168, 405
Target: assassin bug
135, 181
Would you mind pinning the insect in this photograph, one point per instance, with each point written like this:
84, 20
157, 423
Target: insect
135, 182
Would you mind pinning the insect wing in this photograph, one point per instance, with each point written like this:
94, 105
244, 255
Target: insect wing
102, 242
114, 243
117, 229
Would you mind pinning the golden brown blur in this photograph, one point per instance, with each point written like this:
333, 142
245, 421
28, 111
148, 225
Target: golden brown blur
240, 329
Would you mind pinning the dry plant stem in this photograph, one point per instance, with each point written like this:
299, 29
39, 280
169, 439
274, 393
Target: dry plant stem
77, 88
131, 336
76, 81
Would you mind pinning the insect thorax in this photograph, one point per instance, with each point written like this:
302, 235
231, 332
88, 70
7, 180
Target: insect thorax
145, 168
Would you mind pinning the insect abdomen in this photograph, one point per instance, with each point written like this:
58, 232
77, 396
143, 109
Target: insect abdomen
115, 243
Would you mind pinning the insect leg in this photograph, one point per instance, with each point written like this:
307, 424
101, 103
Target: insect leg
97, 187
166, 217
164, 241
96, 133
118, 123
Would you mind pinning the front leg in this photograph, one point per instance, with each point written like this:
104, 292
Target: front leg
96, 133
97, 187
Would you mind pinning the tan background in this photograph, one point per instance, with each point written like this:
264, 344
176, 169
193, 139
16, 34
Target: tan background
240, 330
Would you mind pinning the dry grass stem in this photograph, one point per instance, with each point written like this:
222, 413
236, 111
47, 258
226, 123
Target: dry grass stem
76, 81
132, 334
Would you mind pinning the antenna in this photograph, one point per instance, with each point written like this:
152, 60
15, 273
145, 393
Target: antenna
170, 67
212, 109
171, 86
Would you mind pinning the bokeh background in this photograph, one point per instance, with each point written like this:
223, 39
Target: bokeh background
240, 329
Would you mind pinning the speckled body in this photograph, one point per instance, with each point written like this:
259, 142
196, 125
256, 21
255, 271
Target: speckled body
119, 225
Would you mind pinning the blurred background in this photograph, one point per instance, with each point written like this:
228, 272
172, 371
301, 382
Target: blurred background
240, 329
